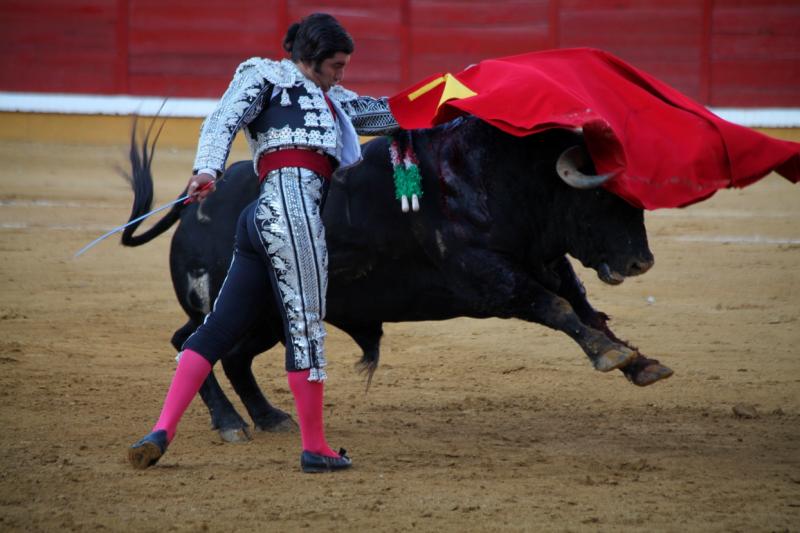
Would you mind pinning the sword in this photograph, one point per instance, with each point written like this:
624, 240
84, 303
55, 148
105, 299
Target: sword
186, 199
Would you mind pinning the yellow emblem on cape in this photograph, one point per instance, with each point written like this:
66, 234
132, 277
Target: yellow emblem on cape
453, 89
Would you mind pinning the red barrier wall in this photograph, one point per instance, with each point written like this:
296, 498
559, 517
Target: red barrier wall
721, 52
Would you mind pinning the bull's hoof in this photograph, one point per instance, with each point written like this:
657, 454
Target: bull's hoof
236, 434
275, 421
650, 374
286, 425
614, 358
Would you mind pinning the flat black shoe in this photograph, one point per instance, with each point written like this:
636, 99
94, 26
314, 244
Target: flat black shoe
313, 463
148, 450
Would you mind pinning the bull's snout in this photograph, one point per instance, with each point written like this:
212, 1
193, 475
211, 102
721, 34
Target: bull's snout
634, 267
640, 265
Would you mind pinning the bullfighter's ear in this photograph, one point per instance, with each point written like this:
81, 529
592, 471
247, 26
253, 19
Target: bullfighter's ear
567, 167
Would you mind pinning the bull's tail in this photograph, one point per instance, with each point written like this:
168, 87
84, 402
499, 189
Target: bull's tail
141, 181
368, 364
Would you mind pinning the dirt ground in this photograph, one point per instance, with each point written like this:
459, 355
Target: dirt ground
470, 425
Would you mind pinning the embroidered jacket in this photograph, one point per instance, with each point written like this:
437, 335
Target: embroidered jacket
278, 106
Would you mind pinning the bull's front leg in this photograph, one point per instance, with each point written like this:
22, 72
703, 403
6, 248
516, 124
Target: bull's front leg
641, 370
556, 312
493, 286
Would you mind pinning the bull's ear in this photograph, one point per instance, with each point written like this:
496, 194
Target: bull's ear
567, 167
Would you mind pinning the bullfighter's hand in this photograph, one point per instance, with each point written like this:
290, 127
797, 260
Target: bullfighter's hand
200, 186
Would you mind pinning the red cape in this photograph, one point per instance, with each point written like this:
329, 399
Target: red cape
665, 149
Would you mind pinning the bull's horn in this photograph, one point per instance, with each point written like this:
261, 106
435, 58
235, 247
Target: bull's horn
567, 166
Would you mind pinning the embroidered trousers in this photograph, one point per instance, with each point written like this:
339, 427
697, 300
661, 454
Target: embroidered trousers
279, 254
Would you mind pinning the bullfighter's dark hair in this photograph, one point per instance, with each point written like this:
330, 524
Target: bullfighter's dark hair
316, 38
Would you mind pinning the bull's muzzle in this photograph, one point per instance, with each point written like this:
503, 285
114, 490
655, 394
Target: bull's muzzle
635, 267
640, 266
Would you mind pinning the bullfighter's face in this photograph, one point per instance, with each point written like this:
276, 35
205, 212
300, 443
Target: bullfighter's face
327, 73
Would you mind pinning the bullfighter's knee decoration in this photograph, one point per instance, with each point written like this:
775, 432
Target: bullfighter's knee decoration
407, 179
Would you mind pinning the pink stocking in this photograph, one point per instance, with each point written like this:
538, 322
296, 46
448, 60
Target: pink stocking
308, 401
192, 370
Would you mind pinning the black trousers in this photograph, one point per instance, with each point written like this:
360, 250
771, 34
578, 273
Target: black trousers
279, 258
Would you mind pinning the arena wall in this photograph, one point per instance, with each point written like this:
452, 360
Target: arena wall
724, 53
720, 52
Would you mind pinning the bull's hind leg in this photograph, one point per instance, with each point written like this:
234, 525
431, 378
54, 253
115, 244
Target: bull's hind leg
224, 417
238, 367
640, 370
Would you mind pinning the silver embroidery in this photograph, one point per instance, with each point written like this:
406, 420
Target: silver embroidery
311, 119
278, 137
328, 138
242, 101
289, 222
341, 95
370, 116
311, 102
326, 120
302, 136
245, 99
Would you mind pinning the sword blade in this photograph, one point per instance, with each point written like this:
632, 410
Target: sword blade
134, 221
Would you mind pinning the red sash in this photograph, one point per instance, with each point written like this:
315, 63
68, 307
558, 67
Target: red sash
314, 161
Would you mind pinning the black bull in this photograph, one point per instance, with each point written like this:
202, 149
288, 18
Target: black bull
490, 240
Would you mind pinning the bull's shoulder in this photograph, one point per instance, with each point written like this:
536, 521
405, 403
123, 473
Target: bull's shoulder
376, 149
